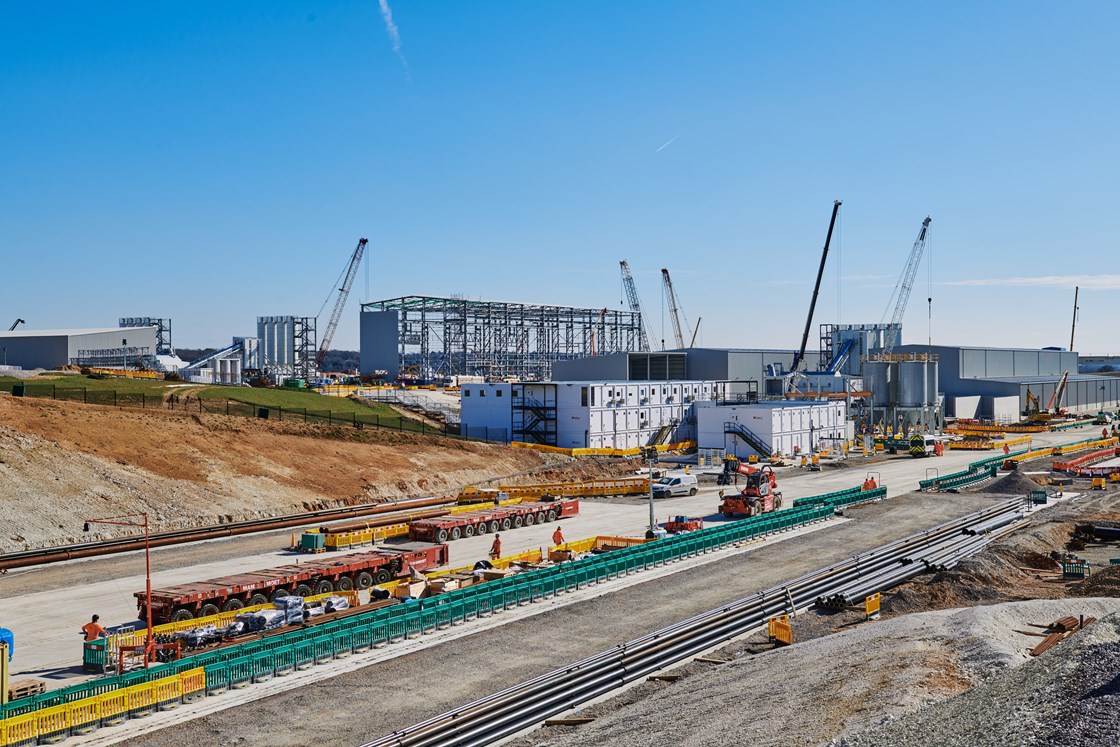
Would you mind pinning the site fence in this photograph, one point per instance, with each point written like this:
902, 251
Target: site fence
231, 407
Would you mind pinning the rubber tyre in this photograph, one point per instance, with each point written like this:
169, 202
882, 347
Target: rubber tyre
208, 610
553, 514
346, 584
324, 587
518, 522
441, 536
456, 533
777, 500
364, 580
277, 593
506, 523
182, 615
381, 576
542, 517
303, 590
529, 520
692, 491
257, 599
468, 531
495, 525
482, 528
233, 605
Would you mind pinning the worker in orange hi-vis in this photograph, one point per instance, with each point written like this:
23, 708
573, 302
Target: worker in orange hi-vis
557, 537
496, 547
93, 630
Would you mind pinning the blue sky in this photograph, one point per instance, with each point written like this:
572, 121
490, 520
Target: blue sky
213, 162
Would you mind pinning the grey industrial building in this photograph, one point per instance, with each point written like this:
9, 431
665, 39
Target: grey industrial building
51, 348
736, 366
996, 373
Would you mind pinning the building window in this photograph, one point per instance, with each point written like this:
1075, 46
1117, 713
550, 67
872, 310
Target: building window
583, 396
481, 392
466, 392
592, 396
498, 393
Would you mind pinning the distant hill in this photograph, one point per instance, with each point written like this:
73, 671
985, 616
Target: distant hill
336, 360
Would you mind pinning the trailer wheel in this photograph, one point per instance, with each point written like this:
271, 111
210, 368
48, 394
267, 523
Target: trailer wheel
382, 576
482, 528
365, 580
542, 517
456, 533
208, 610
468, 531
528, 520
495, 526
441, 536
232, 605
303, 590
553, 514
324, 587
277, 593
182, 615
346, 584
257, 599
507, 523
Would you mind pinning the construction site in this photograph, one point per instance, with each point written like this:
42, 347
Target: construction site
540, 525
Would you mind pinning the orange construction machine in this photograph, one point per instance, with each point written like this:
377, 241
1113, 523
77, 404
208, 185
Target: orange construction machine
759, 495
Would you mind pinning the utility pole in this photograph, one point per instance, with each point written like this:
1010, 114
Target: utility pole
1073, 329
649, 453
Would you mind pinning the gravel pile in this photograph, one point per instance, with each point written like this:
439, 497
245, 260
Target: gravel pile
845, 683
1067, 697
1012, 484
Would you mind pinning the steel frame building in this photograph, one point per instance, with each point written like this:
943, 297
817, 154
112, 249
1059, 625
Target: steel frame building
427, 337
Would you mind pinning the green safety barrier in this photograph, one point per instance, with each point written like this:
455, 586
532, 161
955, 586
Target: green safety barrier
977, 471
238, 665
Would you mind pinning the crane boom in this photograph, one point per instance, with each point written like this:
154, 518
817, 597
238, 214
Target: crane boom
15, 324
340, 302
799, 359
674, 308
905, 285
635, 304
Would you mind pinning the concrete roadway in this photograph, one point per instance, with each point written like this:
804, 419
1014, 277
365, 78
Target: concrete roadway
46, 607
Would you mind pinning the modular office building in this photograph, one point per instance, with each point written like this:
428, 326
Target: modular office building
595, 414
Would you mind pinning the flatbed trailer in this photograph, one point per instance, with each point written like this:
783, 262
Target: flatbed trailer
489, 520
321, 576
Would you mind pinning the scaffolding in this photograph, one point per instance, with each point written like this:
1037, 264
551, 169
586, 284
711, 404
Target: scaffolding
163, 331
442, 337
139, 358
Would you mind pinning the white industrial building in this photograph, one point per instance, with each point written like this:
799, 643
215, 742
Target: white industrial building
582, 414
769, 427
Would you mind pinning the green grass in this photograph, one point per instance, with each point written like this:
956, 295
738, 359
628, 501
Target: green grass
60, 381
292, 399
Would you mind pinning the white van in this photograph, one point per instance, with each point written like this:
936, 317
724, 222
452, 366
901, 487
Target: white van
674, 485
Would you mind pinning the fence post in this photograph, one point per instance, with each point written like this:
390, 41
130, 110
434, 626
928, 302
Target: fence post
143, 401
200, 404
305, 415
377, 420
279, 413
85, 395
330, 417
114, 398
227, 407
54, 391
354, 419
400, 422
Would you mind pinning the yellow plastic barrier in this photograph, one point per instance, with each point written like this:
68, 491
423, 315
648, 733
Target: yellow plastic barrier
18, 730
141, 699
85, 715
343, 540
193, 684
572, 489
779, 630
167, 693
126, 373
114, 707
53, 724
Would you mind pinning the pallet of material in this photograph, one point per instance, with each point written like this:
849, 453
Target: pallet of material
25, 688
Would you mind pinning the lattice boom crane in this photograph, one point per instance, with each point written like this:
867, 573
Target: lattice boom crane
340, 302
631, 289
674, 308
905, 285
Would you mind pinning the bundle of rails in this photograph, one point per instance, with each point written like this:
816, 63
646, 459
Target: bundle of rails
523, 706
27, 558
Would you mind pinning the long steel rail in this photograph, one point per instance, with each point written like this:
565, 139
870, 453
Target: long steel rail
502, 714
26, 558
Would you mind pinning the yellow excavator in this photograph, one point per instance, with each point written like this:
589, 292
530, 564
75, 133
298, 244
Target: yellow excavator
1053, 408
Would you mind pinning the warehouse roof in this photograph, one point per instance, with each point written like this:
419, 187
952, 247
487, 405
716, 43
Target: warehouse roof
66, 332
1047, 379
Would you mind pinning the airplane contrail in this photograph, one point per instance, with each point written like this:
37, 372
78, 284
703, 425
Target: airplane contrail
666, 145
391, 28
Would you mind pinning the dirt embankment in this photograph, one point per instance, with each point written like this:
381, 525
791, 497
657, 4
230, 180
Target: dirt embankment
61, 463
